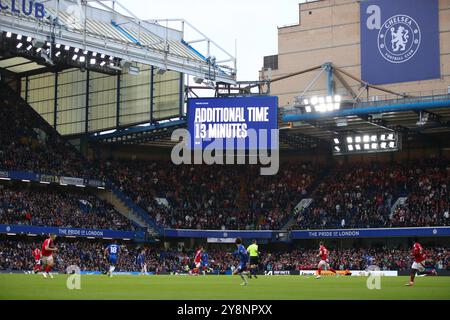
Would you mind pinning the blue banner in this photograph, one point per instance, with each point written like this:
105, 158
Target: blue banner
23, 7
71, 232
232, 119
399, 41
180, 233
372, 233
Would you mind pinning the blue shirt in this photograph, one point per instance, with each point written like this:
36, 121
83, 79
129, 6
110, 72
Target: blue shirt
242, 254
113, 250
140, 258
204, 257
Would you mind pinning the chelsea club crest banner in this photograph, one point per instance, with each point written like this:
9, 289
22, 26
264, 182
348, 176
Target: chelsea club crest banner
399, 40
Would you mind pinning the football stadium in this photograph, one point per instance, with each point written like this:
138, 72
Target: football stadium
134, 165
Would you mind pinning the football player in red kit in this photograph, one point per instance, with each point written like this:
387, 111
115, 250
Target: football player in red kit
48, 249
324, 264
37, 258
198, 261
418, 266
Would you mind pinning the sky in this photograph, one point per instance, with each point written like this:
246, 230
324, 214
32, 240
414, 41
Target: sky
251, 23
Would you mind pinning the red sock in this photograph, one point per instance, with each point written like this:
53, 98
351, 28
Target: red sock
319, 271
48, 269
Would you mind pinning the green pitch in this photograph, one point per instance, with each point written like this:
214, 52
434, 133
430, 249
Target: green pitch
220, 288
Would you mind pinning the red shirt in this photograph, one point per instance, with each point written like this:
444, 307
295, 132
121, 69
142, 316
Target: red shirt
37, 254
198, 256
323, 252
47, 243
418, 254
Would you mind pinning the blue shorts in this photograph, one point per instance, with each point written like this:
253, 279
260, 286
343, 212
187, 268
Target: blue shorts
242, 267
204, 264
113, 260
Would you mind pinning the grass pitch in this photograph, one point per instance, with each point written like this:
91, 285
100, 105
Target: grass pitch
31, 287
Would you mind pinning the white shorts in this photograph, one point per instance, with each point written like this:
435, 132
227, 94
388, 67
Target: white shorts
419, 266
198, 265
323, 263
47, 260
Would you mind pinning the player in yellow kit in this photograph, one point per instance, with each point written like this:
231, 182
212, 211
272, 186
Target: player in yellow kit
254, 259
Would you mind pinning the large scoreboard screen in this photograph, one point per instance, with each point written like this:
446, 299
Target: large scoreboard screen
234, 123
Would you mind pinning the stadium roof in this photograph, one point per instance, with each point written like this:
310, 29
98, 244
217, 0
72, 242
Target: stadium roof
108, 27
371, 109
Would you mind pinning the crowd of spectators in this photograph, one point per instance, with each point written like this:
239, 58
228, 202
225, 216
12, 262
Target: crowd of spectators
362, 196
354, 259
428, 201
90, 256
213, 197
58, 208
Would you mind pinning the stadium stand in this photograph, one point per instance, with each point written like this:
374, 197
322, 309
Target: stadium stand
362, 196
237, 198
16, 256
53, 207
28, 143
215, 197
